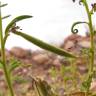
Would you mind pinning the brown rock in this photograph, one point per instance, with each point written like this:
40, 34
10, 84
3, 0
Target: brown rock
19, 52
56, 62
84, 44
69, 45
82, 69
73, 37
71, 41
26, 61
8, 55
40, 58
1, 72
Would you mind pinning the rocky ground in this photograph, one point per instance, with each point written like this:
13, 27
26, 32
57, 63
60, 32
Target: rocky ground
39, 63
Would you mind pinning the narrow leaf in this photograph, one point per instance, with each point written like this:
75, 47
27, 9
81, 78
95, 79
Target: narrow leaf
19, 79
3, 5
43, 88
44, 45
17, 19
14, 65
6, 16
1, 25
1, 65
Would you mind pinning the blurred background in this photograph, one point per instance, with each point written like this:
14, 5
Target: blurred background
51, 23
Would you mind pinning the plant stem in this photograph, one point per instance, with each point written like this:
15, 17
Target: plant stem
7, 76
91, 38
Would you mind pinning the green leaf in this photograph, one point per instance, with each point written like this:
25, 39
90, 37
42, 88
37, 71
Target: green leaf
3, 5
87, 83
14, 65
1, 65
15, 20
53, 72
44, 45
64, 70
19, 79
6, 16
43, 88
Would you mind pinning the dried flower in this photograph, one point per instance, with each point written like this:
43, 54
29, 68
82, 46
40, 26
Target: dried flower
80, 1
73, 0
94, 7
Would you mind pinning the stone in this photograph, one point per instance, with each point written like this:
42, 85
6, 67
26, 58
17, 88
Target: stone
26, 61
69, 45
8, 55
40, 58
73, 37
19, 52
1, 72
84, 44
71, 41
82, 69
56, 62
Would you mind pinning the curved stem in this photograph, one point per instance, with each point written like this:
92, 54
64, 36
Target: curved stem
7, 76
74, 31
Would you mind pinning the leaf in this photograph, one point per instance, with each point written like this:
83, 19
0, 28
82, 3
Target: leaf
78, 94
3, 5
19, 79
43, 88
53, 72
62, 70
14, 65
6, 16
17, 19
1, 65
44, 45
87, 83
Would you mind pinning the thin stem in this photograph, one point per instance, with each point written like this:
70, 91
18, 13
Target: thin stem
7, 76
91, 38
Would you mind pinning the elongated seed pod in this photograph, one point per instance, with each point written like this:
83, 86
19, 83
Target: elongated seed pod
44, 45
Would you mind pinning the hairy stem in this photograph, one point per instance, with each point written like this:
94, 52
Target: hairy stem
7, 76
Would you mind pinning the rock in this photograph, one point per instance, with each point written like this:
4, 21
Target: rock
69, 45
40, 58
73, 37
82, 69
8, 55
84, 44
19, 52
56, 62
1, 72
71, 41
74, 43
26, 61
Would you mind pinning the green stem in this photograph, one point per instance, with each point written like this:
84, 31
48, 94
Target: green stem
7, 76
91, 38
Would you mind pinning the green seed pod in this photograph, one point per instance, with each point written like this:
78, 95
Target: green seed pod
44, 45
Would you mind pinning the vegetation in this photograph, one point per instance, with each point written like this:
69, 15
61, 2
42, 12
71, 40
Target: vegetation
42, 87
